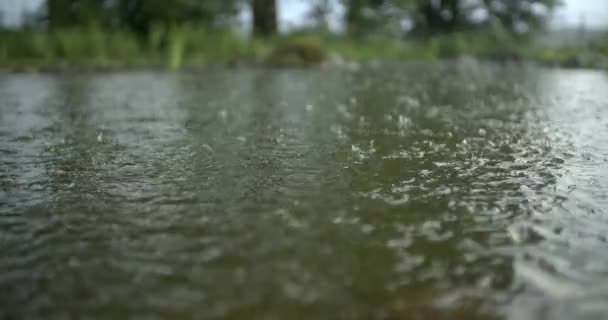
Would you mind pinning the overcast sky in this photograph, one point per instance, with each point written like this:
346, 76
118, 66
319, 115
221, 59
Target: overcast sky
292, 12
594, 13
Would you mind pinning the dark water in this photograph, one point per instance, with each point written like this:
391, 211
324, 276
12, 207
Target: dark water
305, 194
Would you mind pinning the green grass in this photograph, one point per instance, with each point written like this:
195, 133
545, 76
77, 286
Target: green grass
186, 46
95, 48
592, 55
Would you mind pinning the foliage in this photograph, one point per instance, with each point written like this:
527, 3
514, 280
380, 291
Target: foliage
139, 16
432, 17
362, 18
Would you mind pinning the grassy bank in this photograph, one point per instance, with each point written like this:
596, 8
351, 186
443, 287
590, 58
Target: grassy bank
97, 48
183, 47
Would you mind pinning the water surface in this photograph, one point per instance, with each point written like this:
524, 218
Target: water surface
304, 194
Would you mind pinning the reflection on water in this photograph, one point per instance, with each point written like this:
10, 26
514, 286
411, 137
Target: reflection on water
260, 194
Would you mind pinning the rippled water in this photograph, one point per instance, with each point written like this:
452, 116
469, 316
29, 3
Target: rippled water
395, 190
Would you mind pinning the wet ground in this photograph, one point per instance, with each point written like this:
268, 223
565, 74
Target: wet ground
391, 191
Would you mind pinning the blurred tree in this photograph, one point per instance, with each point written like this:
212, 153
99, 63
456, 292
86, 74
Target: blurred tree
520, 16
443, 16
361, 16
264, 17
447, 16
140, 15
365, 17
319, 13
58, 12
69, 13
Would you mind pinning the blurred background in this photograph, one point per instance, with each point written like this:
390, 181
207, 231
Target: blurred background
38, 34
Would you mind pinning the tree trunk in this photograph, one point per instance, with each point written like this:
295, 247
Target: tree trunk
354, 17
264, 17
58, 13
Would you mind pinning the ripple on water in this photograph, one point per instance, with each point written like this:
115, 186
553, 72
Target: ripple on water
268, 193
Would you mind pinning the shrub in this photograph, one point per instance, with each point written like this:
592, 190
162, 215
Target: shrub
299, 51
